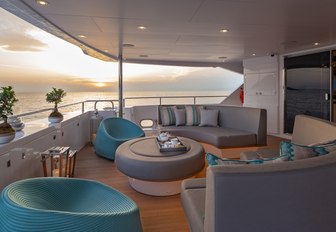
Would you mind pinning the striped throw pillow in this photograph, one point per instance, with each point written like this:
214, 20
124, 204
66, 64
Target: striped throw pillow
167, 116
193, 115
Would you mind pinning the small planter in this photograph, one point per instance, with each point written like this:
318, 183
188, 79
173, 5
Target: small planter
7, 137
55, 96
7, 100
55, 119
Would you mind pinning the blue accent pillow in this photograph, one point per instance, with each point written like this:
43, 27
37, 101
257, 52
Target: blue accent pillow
297, 152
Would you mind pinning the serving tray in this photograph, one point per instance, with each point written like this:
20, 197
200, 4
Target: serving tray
168, 146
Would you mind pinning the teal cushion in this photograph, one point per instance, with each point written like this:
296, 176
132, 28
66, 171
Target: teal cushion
297, 152
215, 160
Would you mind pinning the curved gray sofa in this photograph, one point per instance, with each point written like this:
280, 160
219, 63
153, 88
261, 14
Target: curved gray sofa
289, 196
237, 127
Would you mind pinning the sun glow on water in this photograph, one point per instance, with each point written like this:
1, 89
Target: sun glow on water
99, 84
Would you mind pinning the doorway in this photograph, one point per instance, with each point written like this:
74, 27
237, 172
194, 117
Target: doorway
308, 87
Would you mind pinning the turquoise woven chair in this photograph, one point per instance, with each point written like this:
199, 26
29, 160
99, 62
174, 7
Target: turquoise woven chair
64, 204
112, 132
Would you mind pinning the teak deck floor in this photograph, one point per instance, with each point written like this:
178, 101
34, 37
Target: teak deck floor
158, 214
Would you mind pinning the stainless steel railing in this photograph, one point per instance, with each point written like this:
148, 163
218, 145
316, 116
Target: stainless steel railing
159, 101
161, 98
67, 105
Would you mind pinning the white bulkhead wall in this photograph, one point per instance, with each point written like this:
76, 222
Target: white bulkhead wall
261, 88
21, 159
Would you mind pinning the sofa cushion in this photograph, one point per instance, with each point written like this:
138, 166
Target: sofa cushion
193, 203
209, 117
297, 152
193, 115
180, 117
323, 143
193, 183
217, 136
167, 116
260, 154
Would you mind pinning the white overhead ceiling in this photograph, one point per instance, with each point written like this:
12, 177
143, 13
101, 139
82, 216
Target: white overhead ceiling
185, 31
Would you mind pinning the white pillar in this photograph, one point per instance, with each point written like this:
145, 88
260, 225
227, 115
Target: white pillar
120, 83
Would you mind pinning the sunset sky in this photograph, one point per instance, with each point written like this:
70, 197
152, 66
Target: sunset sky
32, 60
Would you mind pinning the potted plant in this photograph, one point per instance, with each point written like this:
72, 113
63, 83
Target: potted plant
55, 96
7, 100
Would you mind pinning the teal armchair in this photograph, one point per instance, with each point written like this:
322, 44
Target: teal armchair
112, 132
66, 204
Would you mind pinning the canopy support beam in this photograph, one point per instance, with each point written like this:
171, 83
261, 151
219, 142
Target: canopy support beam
120, 86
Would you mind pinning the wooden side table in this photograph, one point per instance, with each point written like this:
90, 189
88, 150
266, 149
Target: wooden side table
62, 161
72, 162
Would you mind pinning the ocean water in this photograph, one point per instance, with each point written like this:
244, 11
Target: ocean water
29, 102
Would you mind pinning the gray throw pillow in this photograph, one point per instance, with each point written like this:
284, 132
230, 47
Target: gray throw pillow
209, 117
180, 117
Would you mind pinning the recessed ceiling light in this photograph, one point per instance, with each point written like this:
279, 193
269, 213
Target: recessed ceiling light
223, 30
82, 36
253, 54
128, 45
42, 3
316, 44
143, 56
142, 27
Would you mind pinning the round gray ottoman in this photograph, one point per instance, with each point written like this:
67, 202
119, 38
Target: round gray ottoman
158, 173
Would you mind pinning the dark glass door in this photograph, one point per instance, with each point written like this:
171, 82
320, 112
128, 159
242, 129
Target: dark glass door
307, 87
333, 87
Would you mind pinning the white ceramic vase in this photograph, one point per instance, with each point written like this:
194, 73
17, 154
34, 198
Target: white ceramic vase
55, 119
5, 138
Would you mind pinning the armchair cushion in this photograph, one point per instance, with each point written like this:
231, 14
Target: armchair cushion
296, 152
215, 160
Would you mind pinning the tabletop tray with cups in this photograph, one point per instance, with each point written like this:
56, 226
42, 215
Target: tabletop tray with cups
168, 143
